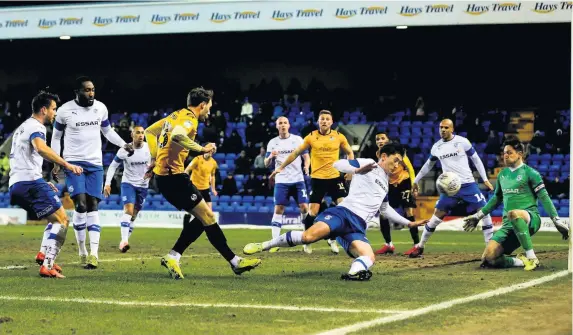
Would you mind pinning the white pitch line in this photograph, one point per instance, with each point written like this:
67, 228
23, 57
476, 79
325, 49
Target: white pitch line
444, 305
13, 267
203, 305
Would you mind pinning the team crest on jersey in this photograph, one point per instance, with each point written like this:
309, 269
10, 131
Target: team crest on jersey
519, 177
188, 124
328, 217
193, 197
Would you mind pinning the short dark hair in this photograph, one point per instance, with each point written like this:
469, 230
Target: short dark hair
198, 95
515, 143
81, 80
43, 99
324, 111
390, 149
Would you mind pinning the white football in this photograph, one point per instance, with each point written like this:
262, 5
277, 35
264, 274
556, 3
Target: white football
449, 183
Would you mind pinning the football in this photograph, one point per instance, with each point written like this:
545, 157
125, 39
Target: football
449, 183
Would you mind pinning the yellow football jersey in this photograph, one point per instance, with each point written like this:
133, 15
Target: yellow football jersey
324, 151
202, 169
171, 156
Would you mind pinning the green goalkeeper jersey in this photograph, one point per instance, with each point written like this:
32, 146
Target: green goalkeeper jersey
520, 189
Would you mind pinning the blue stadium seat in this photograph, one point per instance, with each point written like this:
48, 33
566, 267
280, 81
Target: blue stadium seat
555, 202
259, 199
227, 209
223, 174
237, 198
223, 167
240, 177
219, 156
252, 209
546, 157
563, 212
224, 198
270, 199
248, 198
241, 209
564, 202
264, 209
558, 157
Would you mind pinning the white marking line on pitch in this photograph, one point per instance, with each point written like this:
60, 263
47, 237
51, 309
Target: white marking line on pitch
13, 267
444, 305
190, 304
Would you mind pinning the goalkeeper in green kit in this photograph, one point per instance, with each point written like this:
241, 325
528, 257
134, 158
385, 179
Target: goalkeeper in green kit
519, 187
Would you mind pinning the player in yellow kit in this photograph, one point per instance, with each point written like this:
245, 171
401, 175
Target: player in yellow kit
399, 195
170, 140
202, 170
324, 145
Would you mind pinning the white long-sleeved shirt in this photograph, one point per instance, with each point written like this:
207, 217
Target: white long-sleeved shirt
82, 125
134, 167
453, 155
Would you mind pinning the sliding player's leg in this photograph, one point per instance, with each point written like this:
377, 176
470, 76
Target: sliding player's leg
318, 231
358, 247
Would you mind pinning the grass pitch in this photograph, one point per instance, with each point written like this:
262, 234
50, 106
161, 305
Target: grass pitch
290, 293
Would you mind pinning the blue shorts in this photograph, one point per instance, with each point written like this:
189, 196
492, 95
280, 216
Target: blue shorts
284, 191
89, 182
469, 194
36, 196
344, 225
133, 195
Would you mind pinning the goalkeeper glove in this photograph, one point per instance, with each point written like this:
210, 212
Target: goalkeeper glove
562, 227
470, 222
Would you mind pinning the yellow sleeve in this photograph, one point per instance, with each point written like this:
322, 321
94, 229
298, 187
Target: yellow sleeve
410, 169
306, 144
215, 167
151, 134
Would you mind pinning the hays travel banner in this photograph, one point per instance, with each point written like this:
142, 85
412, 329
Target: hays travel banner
189, 17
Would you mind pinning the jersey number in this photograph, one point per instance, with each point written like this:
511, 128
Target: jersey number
303, 191
163, 138
406, 195
341, 186
479, 197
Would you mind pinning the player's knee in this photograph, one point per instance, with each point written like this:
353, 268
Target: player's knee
303, 208
81, 206
279, 209
308, 237
92, 204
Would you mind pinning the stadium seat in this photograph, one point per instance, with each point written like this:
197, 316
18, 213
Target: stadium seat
219, 156
223, 167
231, 156
224, 198
240, 177
236, 198
259, 199
248, 198
252, 209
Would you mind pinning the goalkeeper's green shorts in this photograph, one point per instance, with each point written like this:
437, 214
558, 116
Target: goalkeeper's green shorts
506, 236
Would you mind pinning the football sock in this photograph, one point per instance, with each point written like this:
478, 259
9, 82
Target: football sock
289, 239
487, 228
190, 233
218, 240
308, 221
276, 225
131, 226
385, 229
55, 241
45, 238
414, 231
430, 227
507, 262
359, 264
94, 230
521, 230
125, 227
79, 221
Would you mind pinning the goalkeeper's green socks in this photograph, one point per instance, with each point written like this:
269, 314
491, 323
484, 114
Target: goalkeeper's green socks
507, 262
521, 230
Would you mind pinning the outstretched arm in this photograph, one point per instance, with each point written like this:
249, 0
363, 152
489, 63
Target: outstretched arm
354, 166
425, 169
179, 136
151, 134
297, 152
390, 214
111, 135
